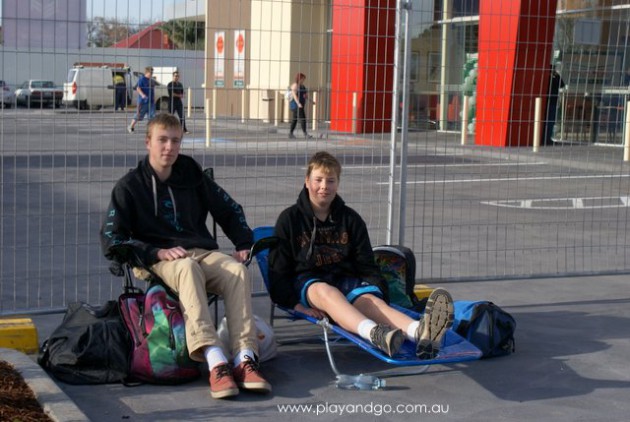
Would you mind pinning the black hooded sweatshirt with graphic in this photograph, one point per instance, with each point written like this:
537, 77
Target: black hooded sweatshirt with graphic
340, 246
147, 214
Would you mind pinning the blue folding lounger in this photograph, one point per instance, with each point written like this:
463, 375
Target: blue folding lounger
454, 349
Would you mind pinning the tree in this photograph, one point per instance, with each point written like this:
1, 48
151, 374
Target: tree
188, 35
105, 32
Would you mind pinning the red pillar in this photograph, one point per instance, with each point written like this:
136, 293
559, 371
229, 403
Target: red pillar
515, 50
363, 41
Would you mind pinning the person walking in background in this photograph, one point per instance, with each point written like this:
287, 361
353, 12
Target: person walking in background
176, 99
299, 95
555, 85
120, 87
146, 98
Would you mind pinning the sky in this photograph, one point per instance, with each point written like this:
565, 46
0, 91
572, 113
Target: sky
135, 11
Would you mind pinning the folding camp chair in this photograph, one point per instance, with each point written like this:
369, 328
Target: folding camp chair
454, 349
125, 260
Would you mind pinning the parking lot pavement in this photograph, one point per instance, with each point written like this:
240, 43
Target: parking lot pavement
570, 364
571, 339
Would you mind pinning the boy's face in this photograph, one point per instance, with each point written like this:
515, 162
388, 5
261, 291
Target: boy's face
322, 187
163, 145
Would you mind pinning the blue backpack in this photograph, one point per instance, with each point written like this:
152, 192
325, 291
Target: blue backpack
398, 268
486, 325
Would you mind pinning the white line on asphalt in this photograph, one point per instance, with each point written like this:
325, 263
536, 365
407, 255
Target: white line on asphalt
569, 203
351, 167
540, 163
513, 179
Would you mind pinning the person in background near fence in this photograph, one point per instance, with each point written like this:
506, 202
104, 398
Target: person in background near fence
159, 209
324, 266
146, 98
176, 98
555, 85
297, 104
120, 90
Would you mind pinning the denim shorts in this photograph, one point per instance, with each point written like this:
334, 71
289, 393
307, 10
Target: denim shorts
350, 287
145, 108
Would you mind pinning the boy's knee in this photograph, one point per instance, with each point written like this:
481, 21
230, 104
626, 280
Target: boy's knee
237, 274
187, 268
323, 291
370, 299
186, 264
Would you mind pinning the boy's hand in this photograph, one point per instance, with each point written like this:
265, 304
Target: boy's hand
172, 254
313, 312
241, 256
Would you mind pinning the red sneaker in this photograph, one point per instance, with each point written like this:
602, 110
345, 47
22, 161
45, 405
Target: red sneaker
222, 383
247, 375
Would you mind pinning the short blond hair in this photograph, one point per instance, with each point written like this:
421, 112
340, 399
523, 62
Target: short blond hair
325, 161
164, 120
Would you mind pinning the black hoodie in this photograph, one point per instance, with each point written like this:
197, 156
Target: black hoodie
340, 245
147, 214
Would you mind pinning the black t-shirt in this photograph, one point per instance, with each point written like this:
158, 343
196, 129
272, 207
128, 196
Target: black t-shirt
175, 88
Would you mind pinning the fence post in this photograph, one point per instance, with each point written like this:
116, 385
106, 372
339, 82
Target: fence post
626, 134
189, 103
214, 105
537, 123
208, 128
243, 105
465, 119
354, 112
314, 111
277, 108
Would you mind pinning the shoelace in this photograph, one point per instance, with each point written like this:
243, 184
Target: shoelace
251, 365
378, 334
223, 370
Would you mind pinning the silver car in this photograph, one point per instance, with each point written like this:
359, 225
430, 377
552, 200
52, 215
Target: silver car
7, 97
35, 91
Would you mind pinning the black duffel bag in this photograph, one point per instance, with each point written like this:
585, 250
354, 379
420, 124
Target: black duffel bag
90, 346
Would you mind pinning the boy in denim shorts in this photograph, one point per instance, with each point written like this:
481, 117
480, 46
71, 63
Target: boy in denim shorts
324, 266
146, 98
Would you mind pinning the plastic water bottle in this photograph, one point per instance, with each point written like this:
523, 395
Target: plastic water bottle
359, 382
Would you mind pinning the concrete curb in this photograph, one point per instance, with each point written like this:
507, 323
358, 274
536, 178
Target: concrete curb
54, 401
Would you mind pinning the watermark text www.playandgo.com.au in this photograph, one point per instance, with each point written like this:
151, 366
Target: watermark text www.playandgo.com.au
375, 409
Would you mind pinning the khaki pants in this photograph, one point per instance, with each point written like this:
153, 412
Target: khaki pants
210, 272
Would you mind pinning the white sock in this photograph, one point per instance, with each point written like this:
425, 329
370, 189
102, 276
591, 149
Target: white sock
365, 328
240, 357
214, 356
411, 330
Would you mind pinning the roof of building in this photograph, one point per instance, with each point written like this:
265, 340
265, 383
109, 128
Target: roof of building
150, 37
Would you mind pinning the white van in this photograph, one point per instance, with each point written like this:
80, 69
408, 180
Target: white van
93, 87
89, 87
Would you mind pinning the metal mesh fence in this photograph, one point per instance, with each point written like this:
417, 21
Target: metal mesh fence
394, 93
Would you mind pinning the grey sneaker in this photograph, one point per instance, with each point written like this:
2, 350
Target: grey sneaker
387, 339
130, 129
437, 319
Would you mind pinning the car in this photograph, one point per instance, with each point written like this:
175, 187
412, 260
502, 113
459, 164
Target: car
37, 91
7, 97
